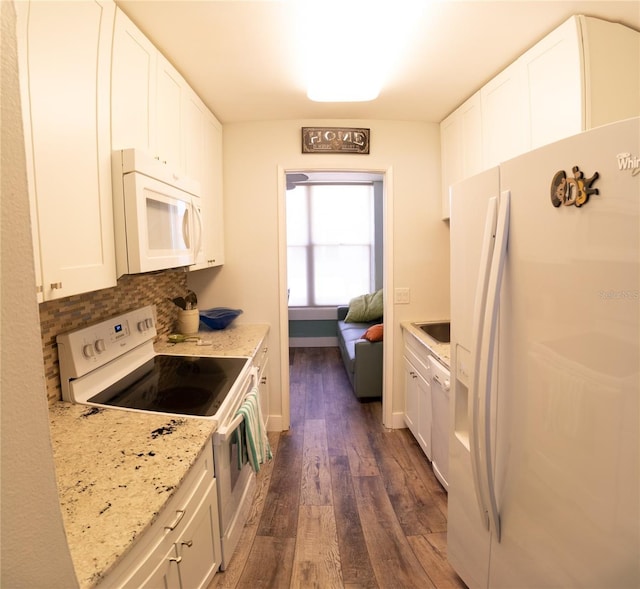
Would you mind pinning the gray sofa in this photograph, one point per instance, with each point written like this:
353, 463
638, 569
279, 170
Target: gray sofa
362, 359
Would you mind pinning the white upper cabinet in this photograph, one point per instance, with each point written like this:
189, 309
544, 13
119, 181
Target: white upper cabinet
214, 183
503, 117
154, 109
170, 95
147, 97
584, 74
65, 58
611, 55
133, 88
212, 252
194, 116
552, 87
461, 144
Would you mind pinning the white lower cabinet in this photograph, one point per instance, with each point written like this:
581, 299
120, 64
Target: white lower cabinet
417, 383
181, 548
198, 555
165, 574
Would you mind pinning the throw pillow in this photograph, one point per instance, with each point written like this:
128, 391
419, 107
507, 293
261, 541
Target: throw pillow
367, 307
374, 333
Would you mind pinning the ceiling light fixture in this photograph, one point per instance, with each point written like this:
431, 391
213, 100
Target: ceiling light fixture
348, 47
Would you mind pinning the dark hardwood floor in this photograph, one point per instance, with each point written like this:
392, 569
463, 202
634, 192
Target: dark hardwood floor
345, 503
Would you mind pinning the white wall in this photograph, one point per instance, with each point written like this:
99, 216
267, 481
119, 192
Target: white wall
33, 544
419, 240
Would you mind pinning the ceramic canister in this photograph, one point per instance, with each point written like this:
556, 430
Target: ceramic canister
188, 321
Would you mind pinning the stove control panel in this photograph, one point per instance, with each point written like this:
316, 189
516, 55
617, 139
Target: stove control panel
88, 348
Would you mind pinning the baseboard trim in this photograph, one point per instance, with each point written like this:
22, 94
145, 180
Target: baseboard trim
397, 420
274, 423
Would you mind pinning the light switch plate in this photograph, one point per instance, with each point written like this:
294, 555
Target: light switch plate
402, 296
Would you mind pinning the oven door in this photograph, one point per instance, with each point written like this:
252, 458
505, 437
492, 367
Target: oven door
235, 478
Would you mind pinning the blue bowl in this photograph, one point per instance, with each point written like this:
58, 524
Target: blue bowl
218, 317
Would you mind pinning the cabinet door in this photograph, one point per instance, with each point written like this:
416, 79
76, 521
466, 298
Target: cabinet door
451, 149
461, 145
264, 391
165, 575
611, 54
199, 545
213, 181
552, 72
133, 88
194, 160
169, 115
194, 113
418, 409
504, 128
68, 52
22, 31
411, 398
212, 205
424, 429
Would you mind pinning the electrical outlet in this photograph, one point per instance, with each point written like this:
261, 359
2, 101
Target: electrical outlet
402, 296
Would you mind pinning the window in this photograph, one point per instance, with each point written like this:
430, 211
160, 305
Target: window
330, 243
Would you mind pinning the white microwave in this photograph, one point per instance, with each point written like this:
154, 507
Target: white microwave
157, 220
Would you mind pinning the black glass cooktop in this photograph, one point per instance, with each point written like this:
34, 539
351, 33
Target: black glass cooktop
188, 385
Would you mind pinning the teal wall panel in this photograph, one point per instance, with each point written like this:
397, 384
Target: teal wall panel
312, 328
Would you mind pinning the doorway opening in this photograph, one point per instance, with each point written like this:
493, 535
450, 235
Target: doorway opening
334, 251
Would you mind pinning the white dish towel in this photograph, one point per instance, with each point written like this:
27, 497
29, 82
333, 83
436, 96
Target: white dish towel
255, 434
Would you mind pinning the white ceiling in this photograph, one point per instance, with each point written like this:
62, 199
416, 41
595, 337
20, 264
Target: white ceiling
239, 55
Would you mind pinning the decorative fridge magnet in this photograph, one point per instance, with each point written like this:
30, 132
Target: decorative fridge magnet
572, 191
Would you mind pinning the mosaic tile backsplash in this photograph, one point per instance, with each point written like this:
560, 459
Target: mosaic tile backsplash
132, 291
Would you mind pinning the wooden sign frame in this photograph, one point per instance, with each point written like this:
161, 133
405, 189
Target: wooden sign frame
335, 140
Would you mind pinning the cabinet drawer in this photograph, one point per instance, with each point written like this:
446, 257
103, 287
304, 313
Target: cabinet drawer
417, 355
260, 359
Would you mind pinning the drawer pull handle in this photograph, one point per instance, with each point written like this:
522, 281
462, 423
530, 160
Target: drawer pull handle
188, 543
175, 559
173, 526
444, 384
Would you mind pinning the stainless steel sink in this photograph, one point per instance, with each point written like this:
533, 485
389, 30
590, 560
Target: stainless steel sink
439, 331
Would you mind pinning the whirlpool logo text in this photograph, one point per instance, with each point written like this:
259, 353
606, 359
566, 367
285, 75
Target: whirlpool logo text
626, 161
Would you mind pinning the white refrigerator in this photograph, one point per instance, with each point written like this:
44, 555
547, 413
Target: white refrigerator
544, 438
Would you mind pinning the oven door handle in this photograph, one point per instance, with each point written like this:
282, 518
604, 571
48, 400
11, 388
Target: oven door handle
224, 433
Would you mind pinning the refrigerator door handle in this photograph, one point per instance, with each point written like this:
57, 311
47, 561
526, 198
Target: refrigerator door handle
488, 348
476, 454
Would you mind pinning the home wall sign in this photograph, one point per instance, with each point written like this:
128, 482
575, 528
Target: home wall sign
335, 140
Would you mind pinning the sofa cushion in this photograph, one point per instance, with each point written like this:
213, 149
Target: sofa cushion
367, 307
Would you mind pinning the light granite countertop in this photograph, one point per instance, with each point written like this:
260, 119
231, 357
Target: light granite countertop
235, 340
116, 469
442, 352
